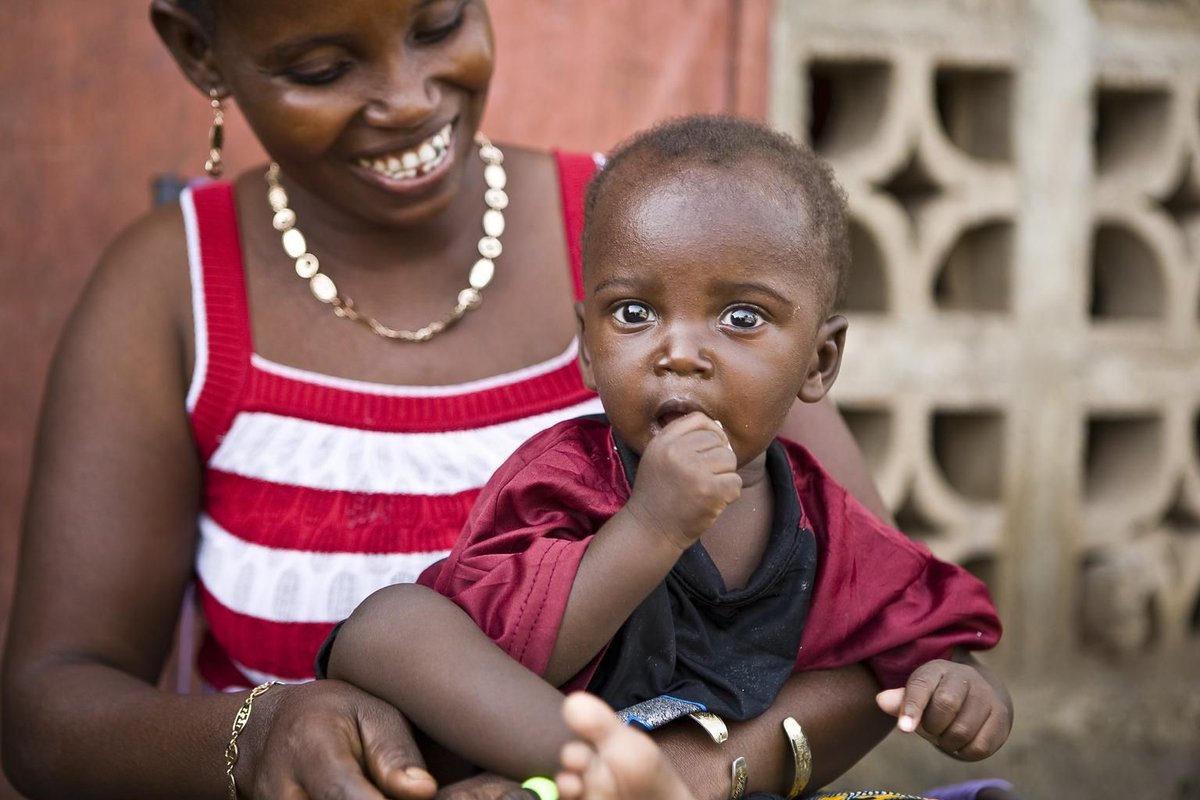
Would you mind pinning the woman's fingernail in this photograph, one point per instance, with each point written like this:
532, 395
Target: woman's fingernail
907, 724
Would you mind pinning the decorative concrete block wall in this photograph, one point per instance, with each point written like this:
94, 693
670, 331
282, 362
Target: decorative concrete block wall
1023, 361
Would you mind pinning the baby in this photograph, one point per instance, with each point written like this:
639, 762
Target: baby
676, 557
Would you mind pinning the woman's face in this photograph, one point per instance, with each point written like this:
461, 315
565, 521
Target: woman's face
370, 105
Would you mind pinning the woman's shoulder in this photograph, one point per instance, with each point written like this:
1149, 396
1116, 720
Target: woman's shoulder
145, 267
150, 251
550, 164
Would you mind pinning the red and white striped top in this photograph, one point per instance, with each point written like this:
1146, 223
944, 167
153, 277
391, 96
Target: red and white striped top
320, 490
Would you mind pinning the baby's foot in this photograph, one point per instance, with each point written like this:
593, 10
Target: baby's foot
611, 760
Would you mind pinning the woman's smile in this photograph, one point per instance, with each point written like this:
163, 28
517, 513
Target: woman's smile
410, 162
412, 169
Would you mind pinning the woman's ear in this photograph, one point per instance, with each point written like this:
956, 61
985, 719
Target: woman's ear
189, 42
585, 357
826, 360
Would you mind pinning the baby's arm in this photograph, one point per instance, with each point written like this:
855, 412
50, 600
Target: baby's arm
960, 706
686, 478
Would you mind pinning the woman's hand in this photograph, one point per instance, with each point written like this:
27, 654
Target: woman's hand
328, 739
482, 787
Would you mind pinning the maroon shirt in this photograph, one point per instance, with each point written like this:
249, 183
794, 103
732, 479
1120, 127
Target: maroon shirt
878, 597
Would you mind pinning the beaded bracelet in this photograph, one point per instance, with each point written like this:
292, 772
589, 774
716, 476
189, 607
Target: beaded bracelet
239, 722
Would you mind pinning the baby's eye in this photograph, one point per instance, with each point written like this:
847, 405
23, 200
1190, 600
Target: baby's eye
742, 317
633, 313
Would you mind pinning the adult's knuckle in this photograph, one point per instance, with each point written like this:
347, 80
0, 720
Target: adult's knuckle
334, 789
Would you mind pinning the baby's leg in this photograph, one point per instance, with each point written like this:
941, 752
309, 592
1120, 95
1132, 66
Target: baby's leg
420, 652
611, 760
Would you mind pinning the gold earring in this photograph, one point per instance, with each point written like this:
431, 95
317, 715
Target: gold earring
216, 136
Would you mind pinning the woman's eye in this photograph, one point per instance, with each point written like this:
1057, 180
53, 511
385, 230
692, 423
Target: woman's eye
318, 76
633, 314
743, 318
439, 31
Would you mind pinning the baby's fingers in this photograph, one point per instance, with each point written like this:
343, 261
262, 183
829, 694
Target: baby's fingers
916, 696
959, 737
990, 736
940, 703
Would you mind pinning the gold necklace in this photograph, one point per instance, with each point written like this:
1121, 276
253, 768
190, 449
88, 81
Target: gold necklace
324, 289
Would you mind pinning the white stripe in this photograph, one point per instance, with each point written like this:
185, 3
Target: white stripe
281, 585
316, 455
199, 318
255, 677
391, 390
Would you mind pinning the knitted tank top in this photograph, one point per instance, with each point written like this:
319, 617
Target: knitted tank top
320, 490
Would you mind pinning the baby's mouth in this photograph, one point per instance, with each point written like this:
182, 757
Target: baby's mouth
664, 420
417, 160
672, 410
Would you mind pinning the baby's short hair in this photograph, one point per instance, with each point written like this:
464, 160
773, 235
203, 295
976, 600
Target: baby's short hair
725, 141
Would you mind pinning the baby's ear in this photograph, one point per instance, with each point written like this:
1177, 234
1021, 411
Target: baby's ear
826, 360
189, 43
585, 357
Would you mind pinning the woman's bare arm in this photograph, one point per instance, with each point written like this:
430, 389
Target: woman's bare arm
109, 530
107, 548
836, 709
821, 429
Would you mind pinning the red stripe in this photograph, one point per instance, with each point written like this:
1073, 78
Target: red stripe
299, 518
217, 670
226, 314
284, 649
554, 390
574, 172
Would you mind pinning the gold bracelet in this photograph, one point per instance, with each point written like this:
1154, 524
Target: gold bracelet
801, 757
239, 722
713, 725
739, 778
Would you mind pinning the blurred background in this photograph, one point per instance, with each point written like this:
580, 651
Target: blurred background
1023, 368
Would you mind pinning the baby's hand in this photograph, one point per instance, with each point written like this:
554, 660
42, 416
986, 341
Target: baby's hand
686, 478
954, 706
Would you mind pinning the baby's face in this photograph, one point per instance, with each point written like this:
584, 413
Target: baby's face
695, 302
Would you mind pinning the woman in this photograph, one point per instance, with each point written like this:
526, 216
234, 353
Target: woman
201, 379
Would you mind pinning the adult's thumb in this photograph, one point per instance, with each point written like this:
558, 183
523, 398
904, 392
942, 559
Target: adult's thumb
391, 757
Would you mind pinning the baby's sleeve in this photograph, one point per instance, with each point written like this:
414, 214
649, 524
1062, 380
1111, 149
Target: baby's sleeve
881, 598
515, 562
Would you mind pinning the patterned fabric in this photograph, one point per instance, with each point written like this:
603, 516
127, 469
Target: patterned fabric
320, 490
867, 795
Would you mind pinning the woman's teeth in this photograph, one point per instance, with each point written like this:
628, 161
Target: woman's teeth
415, 161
